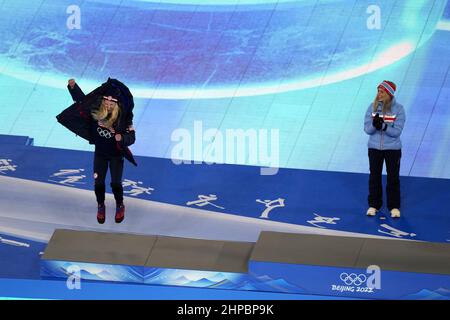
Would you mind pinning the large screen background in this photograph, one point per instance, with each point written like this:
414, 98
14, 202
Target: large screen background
307, 68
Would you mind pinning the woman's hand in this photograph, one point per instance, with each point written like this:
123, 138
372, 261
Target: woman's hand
118, 137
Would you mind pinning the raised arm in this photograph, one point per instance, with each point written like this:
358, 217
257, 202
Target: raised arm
75, 91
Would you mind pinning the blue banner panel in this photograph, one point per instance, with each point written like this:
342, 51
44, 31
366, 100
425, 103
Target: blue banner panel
91, 271
370, 283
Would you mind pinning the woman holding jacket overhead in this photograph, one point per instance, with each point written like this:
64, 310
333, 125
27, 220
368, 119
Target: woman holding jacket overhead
104, 118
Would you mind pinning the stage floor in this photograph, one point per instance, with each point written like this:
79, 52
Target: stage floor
216, 202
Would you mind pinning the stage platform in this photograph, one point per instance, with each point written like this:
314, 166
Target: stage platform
322, 201
277, 262
208, 202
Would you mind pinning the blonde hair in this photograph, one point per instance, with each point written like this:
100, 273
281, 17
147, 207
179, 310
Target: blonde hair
386, 105
101, 114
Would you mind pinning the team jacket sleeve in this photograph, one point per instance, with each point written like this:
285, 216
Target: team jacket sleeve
76, 93
395, 129
129, 137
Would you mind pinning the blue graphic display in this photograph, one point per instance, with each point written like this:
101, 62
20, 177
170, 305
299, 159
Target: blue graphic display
270, 276
92, 271
355, 282
166, 51
308, 69
304, 71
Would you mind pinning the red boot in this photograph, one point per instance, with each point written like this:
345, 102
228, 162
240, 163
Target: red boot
120, 213
101, 213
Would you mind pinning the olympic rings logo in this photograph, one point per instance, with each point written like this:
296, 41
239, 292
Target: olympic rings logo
104, 133
353, 278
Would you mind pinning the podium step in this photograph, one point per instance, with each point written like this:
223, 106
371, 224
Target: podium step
277, 262
355, 267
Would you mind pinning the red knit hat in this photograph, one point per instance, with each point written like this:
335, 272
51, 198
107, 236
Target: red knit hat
389, 87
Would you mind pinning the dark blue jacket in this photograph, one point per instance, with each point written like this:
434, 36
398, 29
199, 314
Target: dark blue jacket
77, 118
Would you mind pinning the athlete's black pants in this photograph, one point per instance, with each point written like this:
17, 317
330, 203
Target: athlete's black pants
376, 160
115, 164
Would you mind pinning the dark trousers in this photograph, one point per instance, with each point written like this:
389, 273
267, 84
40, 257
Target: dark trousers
115, 164
376, 159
